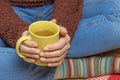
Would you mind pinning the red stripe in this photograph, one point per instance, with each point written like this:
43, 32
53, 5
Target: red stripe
113, 65
69, 67
89, 66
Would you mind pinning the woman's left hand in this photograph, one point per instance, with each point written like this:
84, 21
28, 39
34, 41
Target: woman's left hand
55, 53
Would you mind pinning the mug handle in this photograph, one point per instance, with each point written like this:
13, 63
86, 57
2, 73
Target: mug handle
18, 45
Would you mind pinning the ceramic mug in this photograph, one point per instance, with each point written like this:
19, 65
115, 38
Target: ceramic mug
42, 32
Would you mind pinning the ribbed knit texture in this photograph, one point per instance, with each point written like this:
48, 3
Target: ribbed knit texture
11, 26
67, 13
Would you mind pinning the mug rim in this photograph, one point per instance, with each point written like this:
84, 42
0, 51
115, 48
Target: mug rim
30, 32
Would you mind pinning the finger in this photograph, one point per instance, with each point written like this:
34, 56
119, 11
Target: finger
29, 60
24, 49
67, 37
63, 30
56, 53
54, 64
56, 46
30, 43
51, 60
25, 33
35, 56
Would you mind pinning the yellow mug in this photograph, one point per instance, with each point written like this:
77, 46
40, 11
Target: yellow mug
43, 32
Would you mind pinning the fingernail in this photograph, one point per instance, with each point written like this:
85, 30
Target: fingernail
42, 59
46, 48
49, 65
34, 44
41, 54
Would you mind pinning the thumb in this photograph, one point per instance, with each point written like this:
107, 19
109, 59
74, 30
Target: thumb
25, 33
54, 20
63, 31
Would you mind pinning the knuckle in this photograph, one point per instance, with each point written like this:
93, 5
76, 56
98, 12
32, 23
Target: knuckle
20, 48
46, 54
31, 49
45, 60
68, 46
69, 38
27, 55
28, 50
56, 46
59, 53
59, 58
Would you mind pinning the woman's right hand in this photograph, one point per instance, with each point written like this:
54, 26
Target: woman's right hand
29, 49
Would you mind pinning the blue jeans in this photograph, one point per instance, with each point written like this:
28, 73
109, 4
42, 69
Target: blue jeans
14, 68
97, 32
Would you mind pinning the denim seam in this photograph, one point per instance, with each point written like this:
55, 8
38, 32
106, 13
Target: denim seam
7, 52
92, 22
51, 74
101, 19
109, 17
115, 6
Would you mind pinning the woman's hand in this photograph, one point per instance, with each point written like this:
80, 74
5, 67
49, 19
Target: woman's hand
52, 54
55, 53
29, 49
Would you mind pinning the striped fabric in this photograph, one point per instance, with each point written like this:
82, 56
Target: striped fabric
88, 67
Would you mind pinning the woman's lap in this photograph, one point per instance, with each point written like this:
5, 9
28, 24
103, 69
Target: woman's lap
14, 68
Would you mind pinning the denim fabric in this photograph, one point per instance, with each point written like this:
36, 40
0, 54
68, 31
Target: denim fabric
2, 43
33, 14
98, 31
14, 68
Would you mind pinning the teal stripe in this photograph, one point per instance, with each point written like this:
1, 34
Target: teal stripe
79, 68
83, 66
105, 65
63, 71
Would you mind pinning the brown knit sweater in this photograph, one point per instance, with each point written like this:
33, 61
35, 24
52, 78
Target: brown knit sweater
67, 13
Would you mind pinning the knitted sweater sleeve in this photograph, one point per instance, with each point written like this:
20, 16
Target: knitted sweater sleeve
11, 26
68, 14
